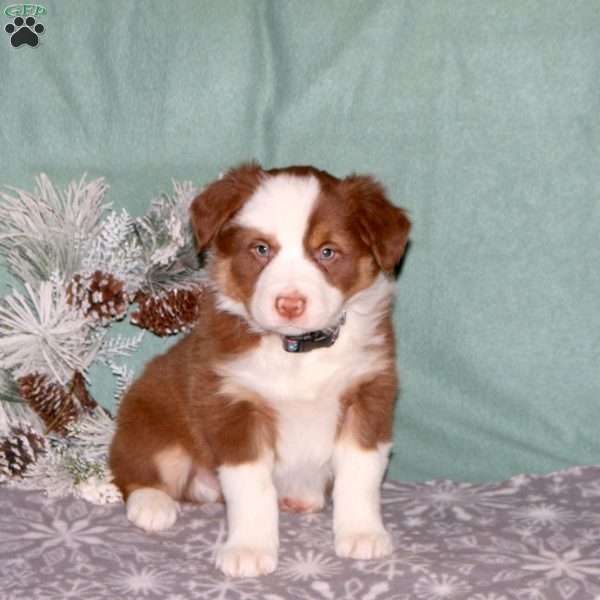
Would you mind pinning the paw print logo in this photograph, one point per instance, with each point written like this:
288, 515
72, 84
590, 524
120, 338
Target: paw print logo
24, 32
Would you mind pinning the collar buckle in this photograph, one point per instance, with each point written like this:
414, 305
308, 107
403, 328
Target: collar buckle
323, 338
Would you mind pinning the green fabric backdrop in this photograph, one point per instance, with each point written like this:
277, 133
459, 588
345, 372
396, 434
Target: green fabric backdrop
482, 118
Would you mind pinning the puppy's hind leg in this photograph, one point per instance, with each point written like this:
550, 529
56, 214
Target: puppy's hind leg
151, 501
151, 509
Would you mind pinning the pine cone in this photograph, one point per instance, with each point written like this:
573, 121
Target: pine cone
56, 405
81, 393
101, 296
19, 449
167, 313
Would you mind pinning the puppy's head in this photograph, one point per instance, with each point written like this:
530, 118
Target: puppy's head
288, 247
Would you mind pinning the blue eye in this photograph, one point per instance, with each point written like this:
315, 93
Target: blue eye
262, 250
326, 253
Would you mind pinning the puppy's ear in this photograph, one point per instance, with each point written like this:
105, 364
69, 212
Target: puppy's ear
219, 201
382, 226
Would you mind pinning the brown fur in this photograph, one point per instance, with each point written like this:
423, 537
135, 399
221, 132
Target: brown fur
177, 401
178, 408
219, 202
236, 266
367, 413
383, 226
334, 225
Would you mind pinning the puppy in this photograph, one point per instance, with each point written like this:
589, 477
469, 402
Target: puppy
287, 383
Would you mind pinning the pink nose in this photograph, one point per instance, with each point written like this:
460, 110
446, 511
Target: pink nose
290, 306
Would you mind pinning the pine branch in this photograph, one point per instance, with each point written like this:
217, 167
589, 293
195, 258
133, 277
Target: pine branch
44, 231
81, 268
40, 332
167, 239
92, 434
64, 470
118, 346
124, 376
116, 250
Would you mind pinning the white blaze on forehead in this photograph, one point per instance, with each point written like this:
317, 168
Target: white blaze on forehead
281, 207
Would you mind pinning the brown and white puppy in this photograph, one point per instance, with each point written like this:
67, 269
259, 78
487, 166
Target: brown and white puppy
230, 412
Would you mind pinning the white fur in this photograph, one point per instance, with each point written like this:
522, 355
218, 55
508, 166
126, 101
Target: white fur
281, 208
151, 509
252, 518
227, 304
357, 524
204, 487
305, 389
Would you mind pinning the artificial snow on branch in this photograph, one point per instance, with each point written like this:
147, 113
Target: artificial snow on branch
167, 240
40, 332
78, 266
124, 376
118, 346
43, 232
116, 250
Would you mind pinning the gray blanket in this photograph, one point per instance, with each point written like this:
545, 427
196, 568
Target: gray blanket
531, 538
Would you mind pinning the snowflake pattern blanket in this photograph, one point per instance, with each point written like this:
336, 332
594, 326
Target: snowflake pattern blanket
530, 538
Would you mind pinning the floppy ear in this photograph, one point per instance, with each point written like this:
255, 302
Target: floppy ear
219, 201
383, 226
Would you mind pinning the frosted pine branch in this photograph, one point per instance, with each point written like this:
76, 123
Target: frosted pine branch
57, 242
92, 434
118, 346
41, 333
116, 250
65, 471
44, 231
168, 243
124, 376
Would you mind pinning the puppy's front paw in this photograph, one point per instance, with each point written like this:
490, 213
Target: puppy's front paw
246, 561
151, 509
363, 546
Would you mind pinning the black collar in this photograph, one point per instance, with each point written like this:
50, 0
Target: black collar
313, 340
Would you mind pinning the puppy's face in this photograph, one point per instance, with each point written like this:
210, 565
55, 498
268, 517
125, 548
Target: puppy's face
288, 247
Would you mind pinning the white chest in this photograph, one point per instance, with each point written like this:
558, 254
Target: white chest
304, 390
